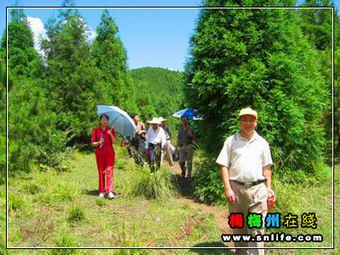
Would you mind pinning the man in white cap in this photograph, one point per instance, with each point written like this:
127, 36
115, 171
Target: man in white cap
155, 140
245, 162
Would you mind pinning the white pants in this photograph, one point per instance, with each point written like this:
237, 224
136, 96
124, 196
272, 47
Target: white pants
167, 149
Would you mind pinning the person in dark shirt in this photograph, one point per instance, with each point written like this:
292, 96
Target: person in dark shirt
185, 138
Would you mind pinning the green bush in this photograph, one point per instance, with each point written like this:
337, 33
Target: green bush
207, 182
169, 86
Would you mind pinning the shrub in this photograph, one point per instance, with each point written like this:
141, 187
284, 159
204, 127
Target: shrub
207, 182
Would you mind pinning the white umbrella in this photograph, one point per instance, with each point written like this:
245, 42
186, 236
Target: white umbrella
119, 120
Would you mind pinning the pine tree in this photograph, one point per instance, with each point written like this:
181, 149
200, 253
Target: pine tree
23, 58
258, 58
110, 58
31, 128
70, 75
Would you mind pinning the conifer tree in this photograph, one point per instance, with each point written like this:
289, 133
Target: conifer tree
258, 58
110, 58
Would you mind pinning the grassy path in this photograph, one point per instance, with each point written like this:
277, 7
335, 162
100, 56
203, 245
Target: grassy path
62, 209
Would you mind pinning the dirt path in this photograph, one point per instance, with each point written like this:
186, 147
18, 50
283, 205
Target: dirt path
187, 189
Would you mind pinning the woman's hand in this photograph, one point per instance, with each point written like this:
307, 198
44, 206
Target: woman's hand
110, 133
96, 144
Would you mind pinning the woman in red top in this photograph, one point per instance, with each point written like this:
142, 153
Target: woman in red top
102, 138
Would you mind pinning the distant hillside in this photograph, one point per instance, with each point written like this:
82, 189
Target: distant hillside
157, 91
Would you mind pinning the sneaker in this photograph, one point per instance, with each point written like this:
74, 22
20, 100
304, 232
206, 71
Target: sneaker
101, 194
189, 178
110, 195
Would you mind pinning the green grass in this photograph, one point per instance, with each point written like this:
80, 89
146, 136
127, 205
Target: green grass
62, 209
311, 195
65, 210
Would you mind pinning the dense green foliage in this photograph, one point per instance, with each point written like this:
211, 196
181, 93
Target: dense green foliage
158, 92
52, 99
261, 59
317, 27
70, 76
32, 133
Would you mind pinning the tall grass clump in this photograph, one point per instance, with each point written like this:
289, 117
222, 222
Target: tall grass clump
66, 191
153, 185
64, 239
125, 239
76, 213
31, 188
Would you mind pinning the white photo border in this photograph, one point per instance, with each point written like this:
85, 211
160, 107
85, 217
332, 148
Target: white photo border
331, 8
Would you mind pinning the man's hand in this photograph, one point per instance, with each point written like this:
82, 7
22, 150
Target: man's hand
189, 131
271, 194
271, 199
230, 195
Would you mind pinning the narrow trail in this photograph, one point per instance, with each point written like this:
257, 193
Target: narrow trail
187, 189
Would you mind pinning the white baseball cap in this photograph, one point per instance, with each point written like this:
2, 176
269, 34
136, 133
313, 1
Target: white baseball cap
248, 111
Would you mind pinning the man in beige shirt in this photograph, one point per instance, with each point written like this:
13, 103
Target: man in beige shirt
245, 162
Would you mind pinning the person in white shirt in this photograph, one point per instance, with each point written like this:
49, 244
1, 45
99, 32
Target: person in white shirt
245, 163
155, 140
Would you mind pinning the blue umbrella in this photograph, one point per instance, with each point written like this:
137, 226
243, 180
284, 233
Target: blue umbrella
119, 120
190, 113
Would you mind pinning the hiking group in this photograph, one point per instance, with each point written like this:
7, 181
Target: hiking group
150, 145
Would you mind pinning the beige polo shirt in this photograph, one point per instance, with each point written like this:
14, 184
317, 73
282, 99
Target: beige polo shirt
244, 158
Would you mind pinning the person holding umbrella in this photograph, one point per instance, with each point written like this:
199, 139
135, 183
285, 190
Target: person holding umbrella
102, 138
